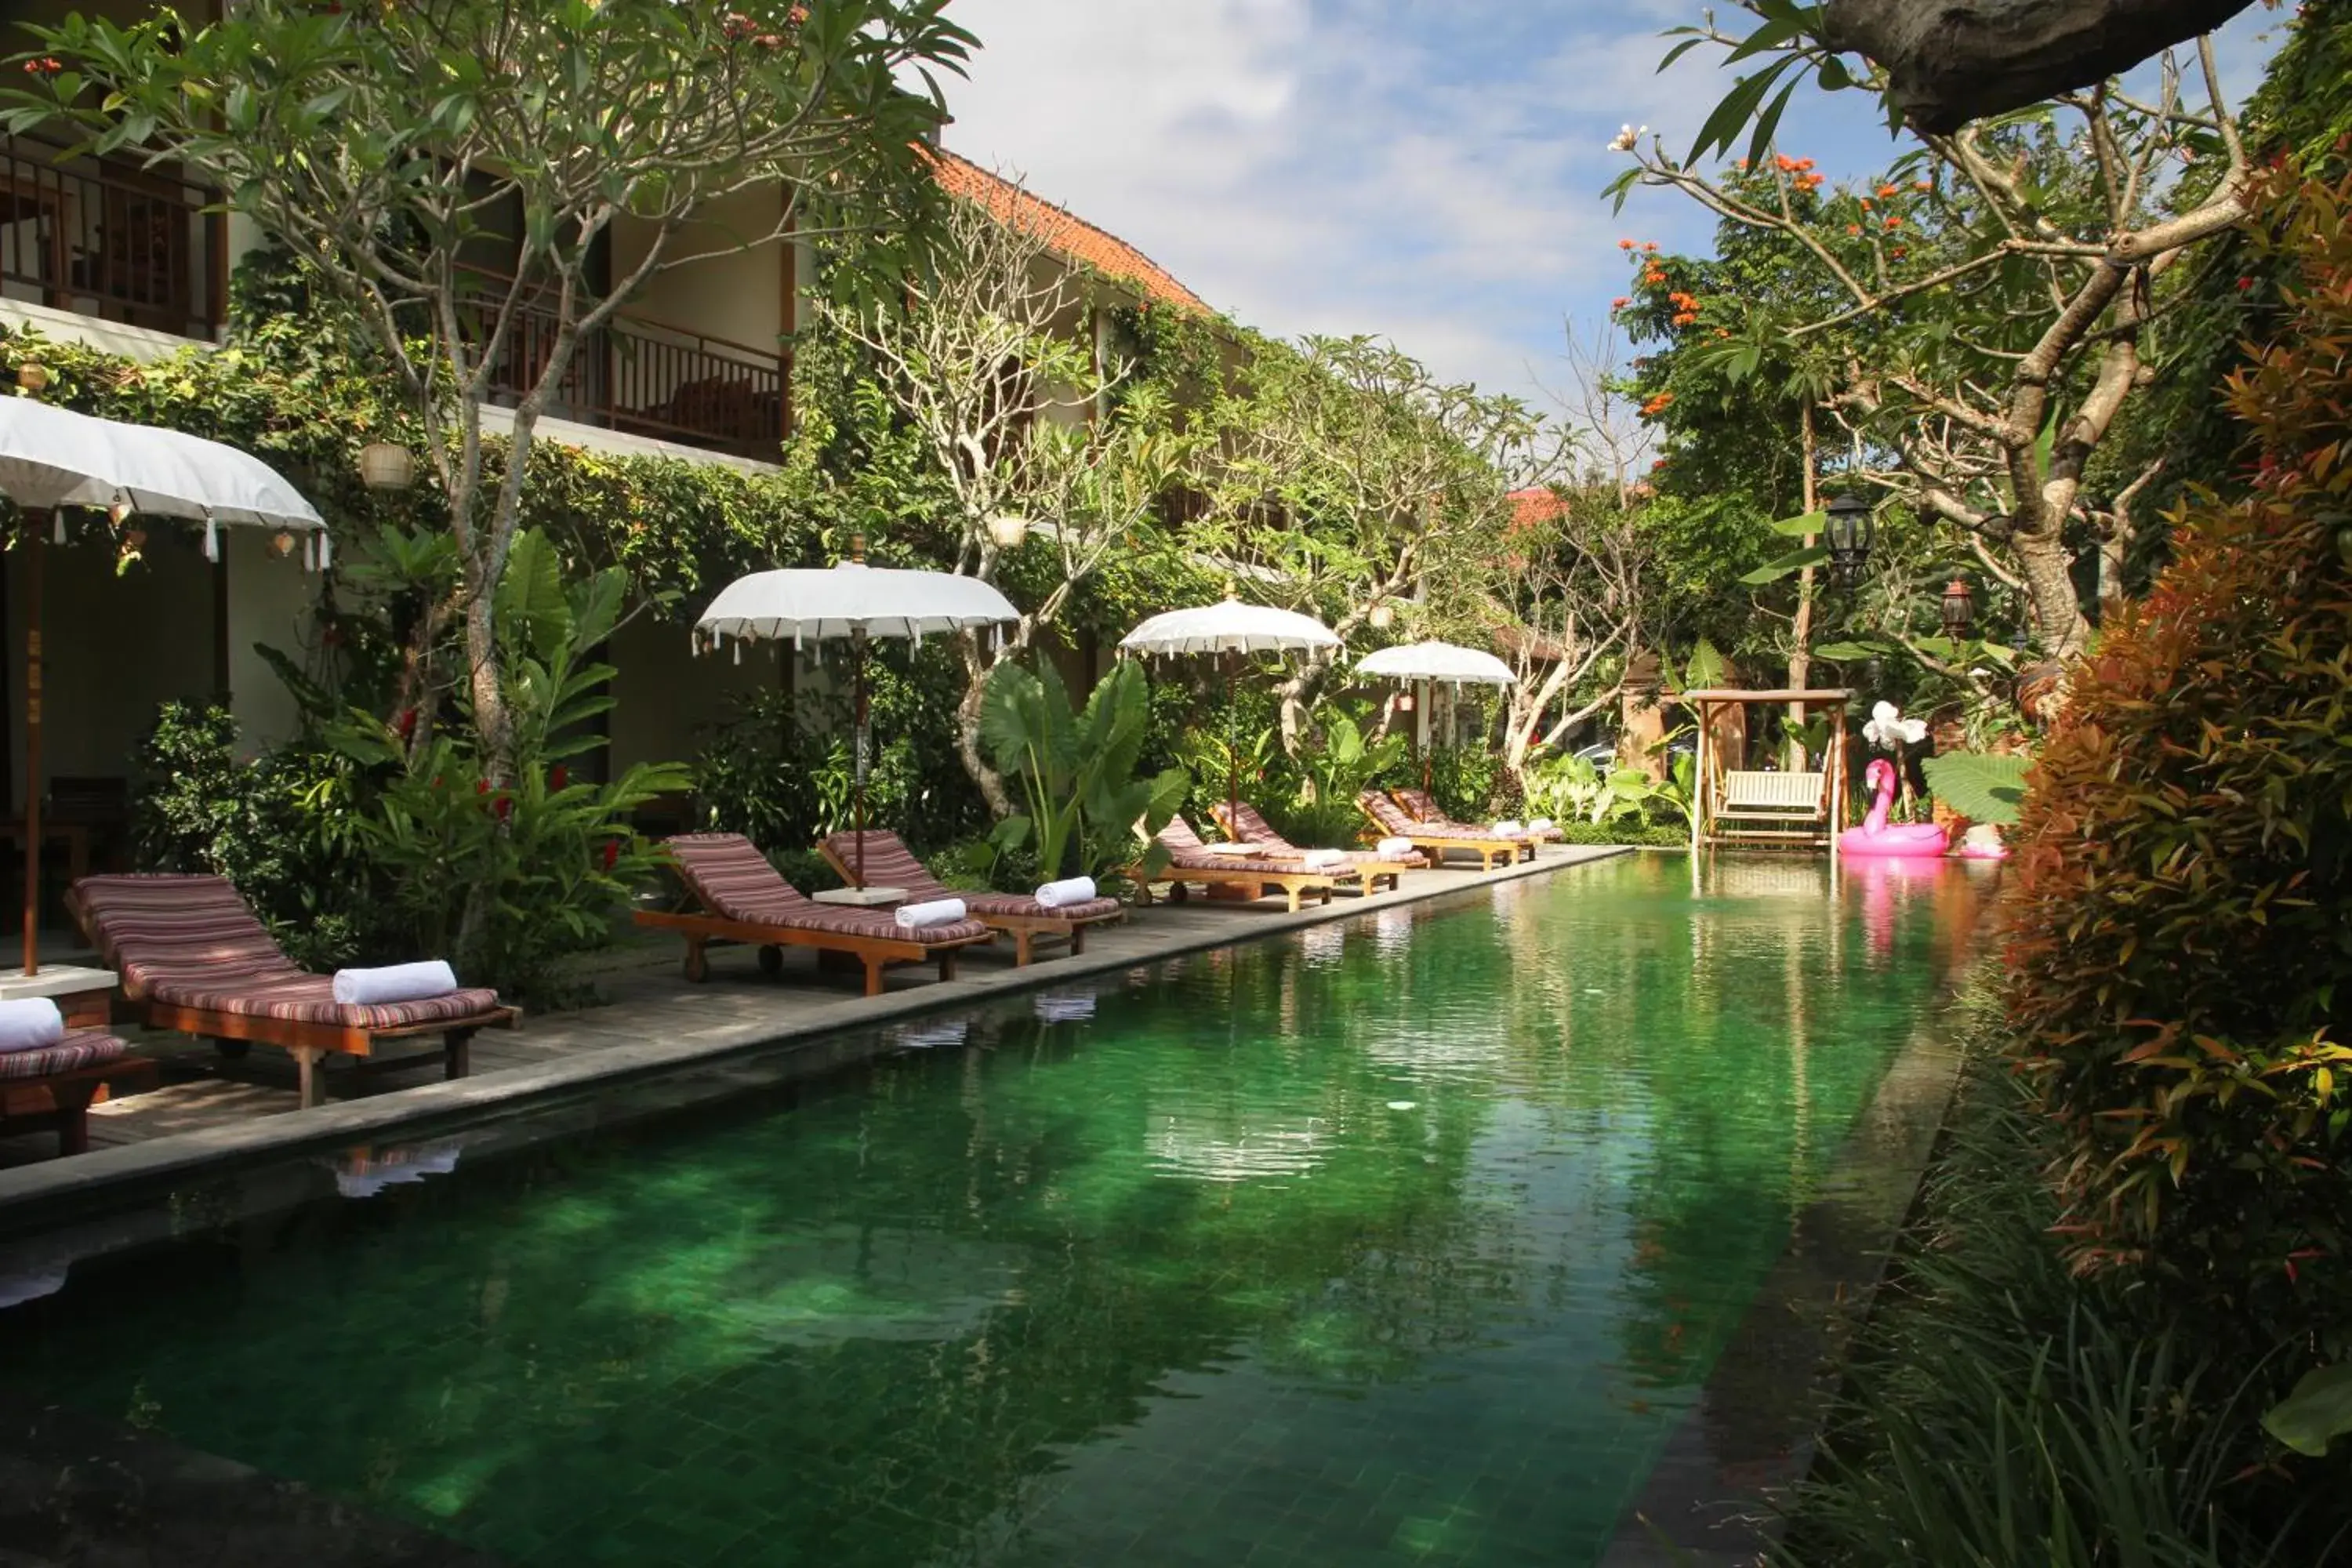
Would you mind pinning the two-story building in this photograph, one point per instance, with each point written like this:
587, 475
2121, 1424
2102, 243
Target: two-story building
135, 261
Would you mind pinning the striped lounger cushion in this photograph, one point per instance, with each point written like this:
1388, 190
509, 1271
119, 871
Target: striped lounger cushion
890, 864
79, 1048
1187, 852
735, 882
191, 942
1424, 806
1256, 829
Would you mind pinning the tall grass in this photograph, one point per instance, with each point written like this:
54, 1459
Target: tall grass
2000, 1412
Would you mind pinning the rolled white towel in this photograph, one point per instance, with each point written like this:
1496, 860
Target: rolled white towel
1513, 826
1320, 858
1070, 891
1239, 851
398, 983
1542, 824
33, 1024
938, 913
1392, 847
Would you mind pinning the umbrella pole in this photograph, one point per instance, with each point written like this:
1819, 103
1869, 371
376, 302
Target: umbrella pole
857, 743
1420, 733
1233, 754
35, 525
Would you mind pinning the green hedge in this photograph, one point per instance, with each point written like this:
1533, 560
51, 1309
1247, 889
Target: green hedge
1660, 835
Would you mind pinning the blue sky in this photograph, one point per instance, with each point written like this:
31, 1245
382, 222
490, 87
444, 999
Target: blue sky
1425, 170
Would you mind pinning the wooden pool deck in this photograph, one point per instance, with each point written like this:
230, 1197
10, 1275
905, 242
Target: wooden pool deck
211, 1111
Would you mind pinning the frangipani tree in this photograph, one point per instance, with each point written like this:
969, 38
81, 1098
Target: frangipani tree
1993, 301
1347, 478
394, 148
992, 359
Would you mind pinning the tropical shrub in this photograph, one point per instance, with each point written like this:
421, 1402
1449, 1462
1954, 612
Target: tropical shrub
506, 880
2181, 947
1464, 779
1077, 769
1321, 810
281, 827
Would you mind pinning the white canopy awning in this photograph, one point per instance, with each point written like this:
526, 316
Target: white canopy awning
1231, 627
52, 457
816, 603
1445, 661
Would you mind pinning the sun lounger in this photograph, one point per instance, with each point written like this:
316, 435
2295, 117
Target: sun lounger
1390, 819
1364, 871
744, 899
1421, 806
195, 958
1242, 877
890, 864
53, 1087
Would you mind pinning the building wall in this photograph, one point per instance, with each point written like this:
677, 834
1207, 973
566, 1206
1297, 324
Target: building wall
271, 601
665, 699
738, 296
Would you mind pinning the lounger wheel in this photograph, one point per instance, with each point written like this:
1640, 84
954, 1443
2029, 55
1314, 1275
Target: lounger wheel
771, 960
698, 963
233, 1050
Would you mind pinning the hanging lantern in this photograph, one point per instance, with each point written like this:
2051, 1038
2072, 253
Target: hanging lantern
1404, 702
1007, 529
1959, 608
1383, 617
281, 543
385, 466
1850, 529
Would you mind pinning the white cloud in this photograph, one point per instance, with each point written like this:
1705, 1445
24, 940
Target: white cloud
1424, 173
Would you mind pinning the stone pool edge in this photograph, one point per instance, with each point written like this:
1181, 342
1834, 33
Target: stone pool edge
33, 1196
1710, 1501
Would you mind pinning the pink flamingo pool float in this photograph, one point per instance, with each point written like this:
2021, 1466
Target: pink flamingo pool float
1877, 836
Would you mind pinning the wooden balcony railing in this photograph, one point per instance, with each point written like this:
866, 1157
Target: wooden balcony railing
650, 378
106, 238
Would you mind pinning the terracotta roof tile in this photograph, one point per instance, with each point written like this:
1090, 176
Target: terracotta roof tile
1063, 230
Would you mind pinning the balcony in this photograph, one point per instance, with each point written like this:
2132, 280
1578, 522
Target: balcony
646, 377
107, 238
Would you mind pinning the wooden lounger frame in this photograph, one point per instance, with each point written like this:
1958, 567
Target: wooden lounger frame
1361, 877
1527, 844
1024, 930
1245, 884
701, 928
1494, 854
61, 1101
307, 1042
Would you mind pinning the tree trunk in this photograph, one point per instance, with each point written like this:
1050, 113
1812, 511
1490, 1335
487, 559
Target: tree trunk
1801, 630
986, 779
1951, 61
2048, 568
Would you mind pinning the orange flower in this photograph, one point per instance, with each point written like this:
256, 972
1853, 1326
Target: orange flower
1723, 331
1786, 166
1657, 404
1865, 204
1889, 190
1894, 222
1684, 318
1804, 163
1923, 184
1619, 302
1854, 228
1624, 244
1649, 247
1899, 252
1742, 165
1653, 277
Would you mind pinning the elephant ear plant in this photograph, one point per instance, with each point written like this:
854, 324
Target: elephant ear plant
1076, 771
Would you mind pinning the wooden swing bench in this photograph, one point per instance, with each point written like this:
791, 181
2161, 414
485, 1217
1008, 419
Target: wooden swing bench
1761, 807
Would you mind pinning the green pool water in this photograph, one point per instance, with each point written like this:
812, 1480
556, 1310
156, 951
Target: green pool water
1405, 1239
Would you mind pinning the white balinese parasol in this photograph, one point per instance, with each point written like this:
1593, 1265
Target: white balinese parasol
1430, 663
852, 600
51, 458
1234, 629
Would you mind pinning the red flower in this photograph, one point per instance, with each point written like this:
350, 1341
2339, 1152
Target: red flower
481, 786
503, 806
612, 853
406, 723
557, 777
1895, 223
2244, 284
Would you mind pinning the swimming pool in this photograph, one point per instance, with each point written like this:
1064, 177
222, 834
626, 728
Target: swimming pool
1407, 1238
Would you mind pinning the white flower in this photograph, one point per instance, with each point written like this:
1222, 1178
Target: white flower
1889, 730
1625, 138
